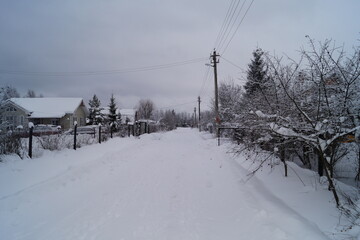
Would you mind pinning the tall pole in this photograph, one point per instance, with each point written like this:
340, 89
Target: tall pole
214, 61
199, 123
75, 133
31, 129
194, 116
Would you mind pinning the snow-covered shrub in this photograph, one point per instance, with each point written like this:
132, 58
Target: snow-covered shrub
84, 139
53, 142
11, 144
63, 141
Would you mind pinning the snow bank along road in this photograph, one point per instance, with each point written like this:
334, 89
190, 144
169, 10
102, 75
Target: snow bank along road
175, 185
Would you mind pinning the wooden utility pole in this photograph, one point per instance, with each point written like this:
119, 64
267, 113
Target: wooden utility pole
215, 61
194, 116
199, 122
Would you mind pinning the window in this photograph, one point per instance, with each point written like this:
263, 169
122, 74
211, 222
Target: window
35, 121
11, 109
55, 122
9, 119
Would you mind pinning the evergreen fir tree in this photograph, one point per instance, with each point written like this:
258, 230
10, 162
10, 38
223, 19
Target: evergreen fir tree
113, 117
256, 74
260, 88
95, 116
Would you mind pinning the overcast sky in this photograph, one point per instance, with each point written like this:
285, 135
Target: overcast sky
46, 44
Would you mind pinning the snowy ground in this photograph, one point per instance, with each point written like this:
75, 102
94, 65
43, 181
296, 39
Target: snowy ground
163, 186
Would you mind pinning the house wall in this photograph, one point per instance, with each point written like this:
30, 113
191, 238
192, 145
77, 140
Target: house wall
46, 121
12, 116
80, 116
68, 120
65, 122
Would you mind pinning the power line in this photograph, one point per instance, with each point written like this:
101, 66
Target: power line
105, 72
204, 79
177, 105
232, 26
247, 10
224, 22
206, 82
210, 76
229, 22
226, 60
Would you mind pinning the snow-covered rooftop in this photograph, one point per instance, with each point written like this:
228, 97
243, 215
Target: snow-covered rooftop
48, 107
123, 112
127, 112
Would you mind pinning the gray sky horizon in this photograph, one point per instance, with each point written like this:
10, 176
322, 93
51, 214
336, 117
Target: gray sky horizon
65, 37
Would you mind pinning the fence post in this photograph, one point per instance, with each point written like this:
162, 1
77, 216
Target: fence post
31, 128
111, 130
59, 130
218, 133
128, 130
282, 158
100, 133
75, 133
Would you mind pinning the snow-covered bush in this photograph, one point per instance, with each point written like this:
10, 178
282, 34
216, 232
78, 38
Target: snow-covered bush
85, 139
63, 141
53, 142
11, 144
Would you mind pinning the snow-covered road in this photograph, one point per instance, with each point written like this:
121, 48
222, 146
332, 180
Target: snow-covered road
163, 186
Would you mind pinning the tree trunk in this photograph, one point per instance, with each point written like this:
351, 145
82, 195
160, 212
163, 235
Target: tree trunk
282, 158
306, 156
358, 171
320, 165
331, 183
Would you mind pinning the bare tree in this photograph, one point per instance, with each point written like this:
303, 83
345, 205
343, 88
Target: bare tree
310, 105
145, 109
229, 99
30, 94
320, 103
7, 92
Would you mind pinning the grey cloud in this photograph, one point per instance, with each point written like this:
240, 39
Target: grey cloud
72, 36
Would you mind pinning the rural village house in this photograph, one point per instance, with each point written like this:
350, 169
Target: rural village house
128, 115
18, 112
